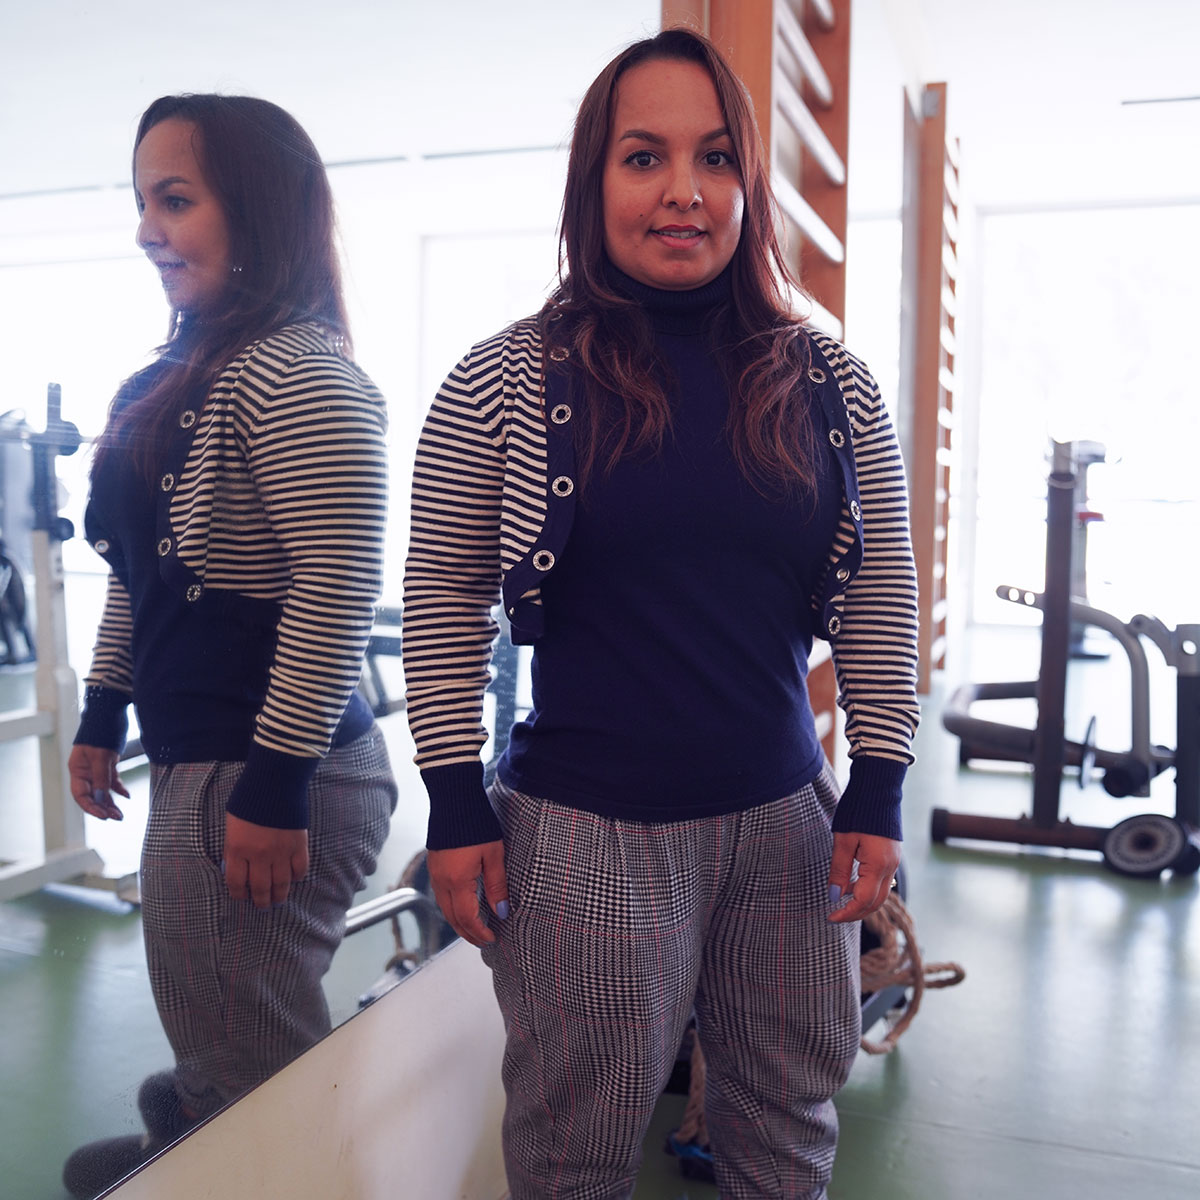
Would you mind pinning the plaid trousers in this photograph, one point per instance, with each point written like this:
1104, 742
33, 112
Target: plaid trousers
617, 929
238, 988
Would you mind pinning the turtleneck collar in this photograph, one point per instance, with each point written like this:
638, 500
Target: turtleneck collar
674, 311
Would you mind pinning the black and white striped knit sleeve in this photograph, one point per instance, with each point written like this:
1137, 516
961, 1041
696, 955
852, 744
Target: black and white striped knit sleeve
312, 430
875, 653
108, 685
451, 583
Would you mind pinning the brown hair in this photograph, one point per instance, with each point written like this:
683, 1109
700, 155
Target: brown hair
761, 342
270, 181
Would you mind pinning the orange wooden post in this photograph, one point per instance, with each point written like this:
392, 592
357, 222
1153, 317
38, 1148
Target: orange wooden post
930, 302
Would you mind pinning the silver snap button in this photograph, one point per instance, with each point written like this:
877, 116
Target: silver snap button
855, 511
560, 414
816, 374
559, 353
835, 625
167, 482
564, 485
837, 438
842, 574
512, 612
164, 547
543, 560
187, 419
101, 546
193, 592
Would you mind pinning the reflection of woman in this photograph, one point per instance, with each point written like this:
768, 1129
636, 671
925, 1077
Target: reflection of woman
239, 498
674, 485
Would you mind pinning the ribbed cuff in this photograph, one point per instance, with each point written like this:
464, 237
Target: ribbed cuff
272, 789
871, 802
459, 811
104, 721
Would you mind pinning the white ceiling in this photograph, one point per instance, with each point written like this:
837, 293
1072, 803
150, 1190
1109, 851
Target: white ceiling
1034, 85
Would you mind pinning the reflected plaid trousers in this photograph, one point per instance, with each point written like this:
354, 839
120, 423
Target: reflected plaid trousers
238, 988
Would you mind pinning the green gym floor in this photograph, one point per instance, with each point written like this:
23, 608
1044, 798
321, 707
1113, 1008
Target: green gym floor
1066, 1066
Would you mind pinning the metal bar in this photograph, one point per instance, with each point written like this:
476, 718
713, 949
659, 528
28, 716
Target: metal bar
1187, 749
25, 723
805, 216
1056, 635
390, 904
797, 114
792, 35
1021, 830
823, 10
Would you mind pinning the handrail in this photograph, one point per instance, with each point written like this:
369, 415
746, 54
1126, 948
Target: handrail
390, 904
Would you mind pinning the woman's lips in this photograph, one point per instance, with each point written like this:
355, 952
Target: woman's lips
678, 233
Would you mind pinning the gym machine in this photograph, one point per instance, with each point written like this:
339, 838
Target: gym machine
1144, 845
55, 717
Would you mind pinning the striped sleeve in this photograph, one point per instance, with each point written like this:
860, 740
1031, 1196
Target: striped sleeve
451, 584
875, 653
108, 685
311, 428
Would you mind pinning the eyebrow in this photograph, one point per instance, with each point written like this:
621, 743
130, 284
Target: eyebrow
644, 135
163, 184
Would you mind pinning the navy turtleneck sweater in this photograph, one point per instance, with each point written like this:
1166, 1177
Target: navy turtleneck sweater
670, 680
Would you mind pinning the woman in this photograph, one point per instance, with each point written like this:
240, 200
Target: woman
672, 485
239, 498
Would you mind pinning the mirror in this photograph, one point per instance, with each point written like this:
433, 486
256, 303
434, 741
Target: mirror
444, 130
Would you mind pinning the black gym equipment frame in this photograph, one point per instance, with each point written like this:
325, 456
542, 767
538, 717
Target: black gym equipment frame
1144, 845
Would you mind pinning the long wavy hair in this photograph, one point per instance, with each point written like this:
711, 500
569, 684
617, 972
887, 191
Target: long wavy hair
760, 341
270, 182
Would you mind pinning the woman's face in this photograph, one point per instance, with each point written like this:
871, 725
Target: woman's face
183, 230
672, 190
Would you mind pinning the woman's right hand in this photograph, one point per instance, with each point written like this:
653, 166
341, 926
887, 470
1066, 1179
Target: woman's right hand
94, 778
455, 877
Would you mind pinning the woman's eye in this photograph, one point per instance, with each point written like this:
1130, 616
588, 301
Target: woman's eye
718, 158
640, 158
174, 203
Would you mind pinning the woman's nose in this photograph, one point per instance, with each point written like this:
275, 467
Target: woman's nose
148, 233
682, 191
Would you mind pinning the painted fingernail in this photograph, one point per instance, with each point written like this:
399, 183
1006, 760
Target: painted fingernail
835, 893
502, 909
98, 795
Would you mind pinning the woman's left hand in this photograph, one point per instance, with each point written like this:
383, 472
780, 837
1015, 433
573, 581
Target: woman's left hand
262, 863
878, 858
